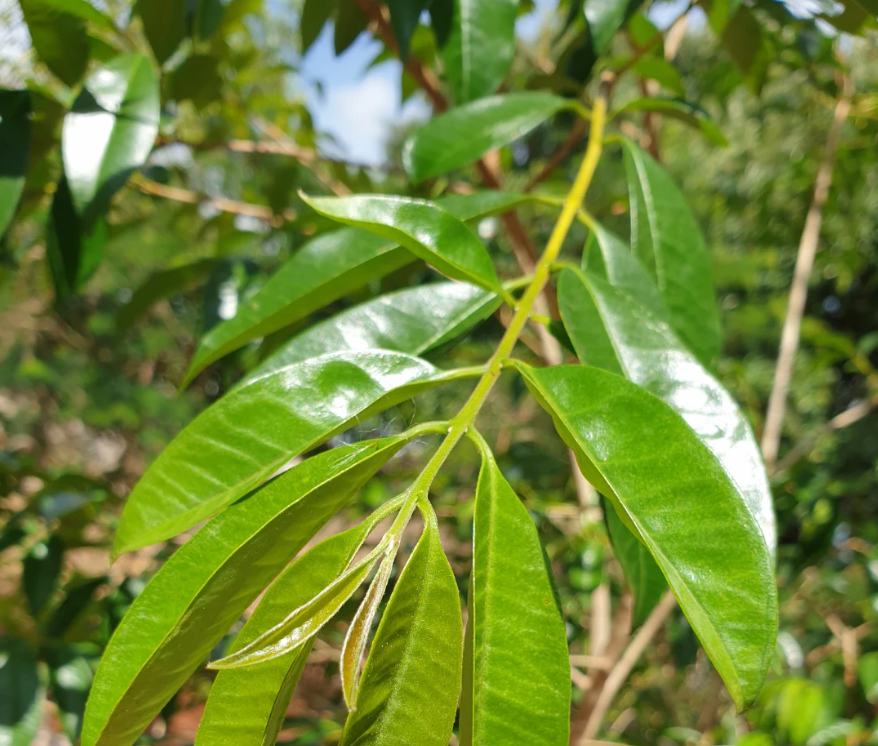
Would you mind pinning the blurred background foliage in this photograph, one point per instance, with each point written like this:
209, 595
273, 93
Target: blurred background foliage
89, 383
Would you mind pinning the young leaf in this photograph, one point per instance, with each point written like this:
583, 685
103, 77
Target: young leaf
14, 144
40, 571
72, 250
358, 632
666, 236
521, 671
685, 112
462, 135
672, 493
59, 36
303, 623
110, 131
610, 330
207, 583
427, 230
251, 432
410, 686
641, 571
164, 25
480, 49
21, 693
246, 706
413, 321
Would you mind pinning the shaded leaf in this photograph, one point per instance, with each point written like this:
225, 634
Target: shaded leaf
164, 25
411, 682
208, 18
59, 37
109, 132
682, 111
521, 671
21, 693
14, 145
246, 706
40, 572
666, 237
413, 321
427, 230
462, 135
610, 330
208, 583
441, 20
350, 22
404, 18
605, 18
254, 430
662, 72
78, 595
672, 493
315, 14
197, 79
480, 48
70, 677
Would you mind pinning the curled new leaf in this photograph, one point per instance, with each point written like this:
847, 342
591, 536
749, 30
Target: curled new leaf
424, 228
673, 494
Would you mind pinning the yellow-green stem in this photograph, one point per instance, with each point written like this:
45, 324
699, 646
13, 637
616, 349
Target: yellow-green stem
523, 310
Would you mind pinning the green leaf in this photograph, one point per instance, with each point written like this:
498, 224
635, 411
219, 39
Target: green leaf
350, 22
83, 10
59, 37
672, 493
746, 43
404, 18
162, 284
867, 668
441, 20
323, 270
78, 595
164, 25
641, 571
427, 230
208, 18
14, 143
247, 706
254, 430
197, 79
662, 72
110, 131
484, 203
209, 582
479, 51
521, 670
73, 252
21, 694
610, 330
70, 677
411, 683
666, 237
462, 135
683, 111
315, 14
40, 572
413, 321
605, 18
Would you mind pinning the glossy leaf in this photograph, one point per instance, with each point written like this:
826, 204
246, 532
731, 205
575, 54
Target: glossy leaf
483, 203
40, 571
14, 144
110, 131
480, 48
70, 677
610, 330
413, 321
666, 237
301, 624
21, 694
358, 633
73, 251
462, 135
521, 671
164, 25
323, 270
162, 284
254, 430
641, 571
411, 682
682, 111
404, 18
59, 37
672, 493
605, 18
427, 230
246, 706
208, 583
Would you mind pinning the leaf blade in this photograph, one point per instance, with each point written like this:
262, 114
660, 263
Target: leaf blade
14, 143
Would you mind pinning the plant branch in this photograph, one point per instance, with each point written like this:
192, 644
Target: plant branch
789, 342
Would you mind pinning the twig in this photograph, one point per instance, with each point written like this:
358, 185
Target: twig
629, 658
789, 342
834, 645
176, 194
